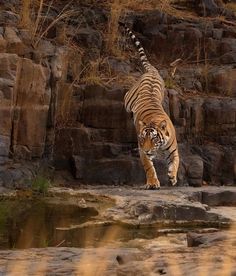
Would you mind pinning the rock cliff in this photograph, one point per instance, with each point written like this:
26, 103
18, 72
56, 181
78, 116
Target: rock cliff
62, 89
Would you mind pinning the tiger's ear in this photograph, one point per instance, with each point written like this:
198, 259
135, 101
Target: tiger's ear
163, 125
141, 124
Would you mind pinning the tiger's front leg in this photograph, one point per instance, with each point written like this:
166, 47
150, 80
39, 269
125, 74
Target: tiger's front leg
151, 176
173, 168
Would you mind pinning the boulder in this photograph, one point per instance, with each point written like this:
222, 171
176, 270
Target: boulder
117, 66
98, 113
208, 7
14, 43
219, 163
223, 81
219, 198
189, 78
8, 76
228, 58
195, 239
219, 115
116, 171
68, 142
193, 115
9, 18
24, 106
30, 110
194, 169
212, 163
89, 38
3, 44
179, 212
59, 64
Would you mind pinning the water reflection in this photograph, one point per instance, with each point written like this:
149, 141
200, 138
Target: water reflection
28, 224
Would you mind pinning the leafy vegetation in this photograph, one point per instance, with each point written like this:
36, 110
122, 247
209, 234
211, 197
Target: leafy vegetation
41, 184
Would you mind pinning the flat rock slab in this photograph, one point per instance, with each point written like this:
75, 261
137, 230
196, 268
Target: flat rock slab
64, 261
164, 254
161, 256
174, 204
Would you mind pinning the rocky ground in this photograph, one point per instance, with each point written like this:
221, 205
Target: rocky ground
175, 232
62, 84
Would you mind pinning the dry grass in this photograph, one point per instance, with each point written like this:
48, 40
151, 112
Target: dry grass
92, 74
99, 73
167, 6
113, 33
25, 15
35, 17
119, 8
42, 32
231, 6
147, 5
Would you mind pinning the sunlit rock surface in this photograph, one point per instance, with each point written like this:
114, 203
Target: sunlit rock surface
127, 231
61, 92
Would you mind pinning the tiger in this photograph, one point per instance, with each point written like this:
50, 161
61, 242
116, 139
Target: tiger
155, 131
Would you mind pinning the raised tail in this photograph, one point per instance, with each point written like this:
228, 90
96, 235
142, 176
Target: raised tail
138, 45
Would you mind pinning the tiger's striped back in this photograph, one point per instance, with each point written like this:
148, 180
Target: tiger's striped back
148, 92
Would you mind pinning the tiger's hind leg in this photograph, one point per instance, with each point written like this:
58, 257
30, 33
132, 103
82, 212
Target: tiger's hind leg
151, 176
173, 169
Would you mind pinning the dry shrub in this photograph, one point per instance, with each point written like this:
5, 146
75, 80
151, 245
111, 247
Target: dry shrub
113, 32
98, 73
25, 15
35, 17
231, 6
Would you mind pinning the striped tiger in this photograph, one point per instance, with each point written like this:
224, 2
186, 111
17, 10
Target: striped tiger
154, 128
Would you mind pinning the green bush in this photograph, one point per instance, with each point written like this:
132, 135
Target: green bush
41, 184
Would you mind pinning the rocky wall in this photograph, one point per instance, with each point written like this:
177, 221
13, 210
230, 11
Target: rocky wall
104, 147
46, 111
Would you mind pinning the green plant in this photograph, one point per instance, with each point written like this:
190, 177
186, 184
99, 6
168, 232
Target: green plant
41, 184
4, 213
170, 83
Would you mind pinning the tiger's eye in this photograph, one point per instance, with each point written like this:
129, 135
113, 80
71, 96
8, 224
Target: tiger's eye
155, 140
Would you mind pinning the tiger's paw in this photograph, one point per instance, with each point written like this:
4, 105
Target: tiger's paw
172, 178
153, 185
173, 181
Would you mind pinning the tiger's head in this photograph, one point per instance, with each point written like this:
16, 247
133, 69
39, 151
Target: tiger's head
152, 136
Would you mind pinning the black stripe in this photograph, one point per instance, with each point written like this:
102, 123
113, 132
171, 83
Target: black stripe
170, 154
150, 111
161, 135
143, 56
140, 49
134, 96
142, 53
170, 145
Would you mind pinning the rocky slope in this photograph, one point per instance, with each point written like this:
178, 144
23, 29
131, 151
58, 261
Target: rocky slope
62, 88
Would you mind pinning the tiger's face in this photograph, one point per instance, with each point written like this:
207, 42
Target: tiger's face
152, 137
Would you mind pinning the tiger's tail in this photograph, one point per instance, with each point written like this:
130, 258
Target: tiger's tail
138, 45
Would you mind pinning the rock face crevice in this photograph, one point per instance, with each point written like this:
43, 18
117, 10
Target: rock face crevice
55, 105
